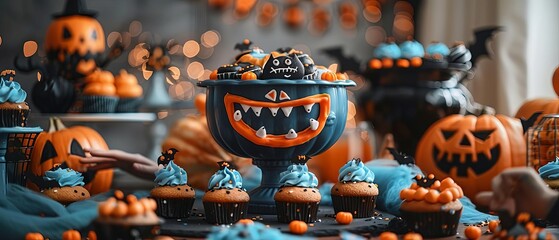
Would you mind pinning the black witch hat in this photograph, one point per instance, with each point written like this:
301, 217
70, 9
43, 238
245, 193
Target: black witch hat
76, 7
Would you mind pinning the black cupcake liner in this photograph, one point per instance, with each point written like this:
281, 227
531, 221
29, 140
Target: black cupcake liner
435, 224
225, 213
174, 208
288, 211
99, 104
13, 117
107, 231
127, 105
359, 207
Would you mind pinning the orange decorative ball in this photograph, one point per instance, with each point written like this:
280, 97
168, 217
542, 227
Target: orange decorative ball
412, 236
387, 62
249, 76
71, 235
416, 62
403, 63
375, 64
34, 236
344, 218
388, 236
493, 225
91, 235
472, 232
246, 221
298, 227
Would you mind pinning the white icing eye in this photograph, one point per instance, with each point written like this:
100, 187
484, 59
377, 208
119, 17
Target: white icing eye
288, 62
275, 62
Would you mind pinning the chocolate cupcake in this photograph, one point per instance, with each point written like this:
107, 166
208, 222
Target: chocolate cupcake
432, 207
355, 192
13, 108
66, 185
226, 201
173, 196
298, 196
550, 174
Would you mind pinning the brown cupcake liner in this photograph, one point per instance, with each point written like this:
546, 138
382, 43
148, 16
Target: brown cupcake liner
360, 207
127, 105
99, 104
433, 225
107, 231
225, 213
13, 117
174, 208
288, 211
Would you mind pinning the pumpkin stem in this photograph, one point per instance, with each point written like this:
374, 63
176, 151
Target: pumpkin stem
55, 124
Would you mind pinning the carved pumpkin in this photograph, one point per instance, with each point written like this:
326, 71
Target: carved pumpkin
472, 150
61, 144
76, 40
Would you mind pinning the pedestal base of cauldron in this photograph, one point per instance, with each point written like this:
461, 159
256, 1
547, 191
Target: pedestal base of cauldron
262, 197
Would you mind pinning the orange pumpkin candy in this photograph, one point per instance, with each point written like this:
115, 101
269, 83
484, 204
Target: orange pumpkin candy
71, 235
471, 149
472, 232
388, 236
34, 236
61, 144
344, 218
298, 227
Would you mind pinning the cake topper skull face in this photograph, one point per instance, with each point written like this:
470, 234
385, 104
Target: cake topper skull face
283, 66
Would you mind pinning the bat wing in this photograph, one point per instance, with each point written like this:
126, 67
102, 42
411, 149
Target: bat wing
478, 47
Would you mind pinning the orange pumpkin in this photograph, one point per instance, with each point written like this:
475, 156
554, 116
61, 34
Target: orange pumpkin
329, 76
472, 232
493, 225
75, 39
544, 105
344, 218
249, 76
388, 236
34, 236
71, 235
472, 149
298, 227
61, 144
91, 235
412, 236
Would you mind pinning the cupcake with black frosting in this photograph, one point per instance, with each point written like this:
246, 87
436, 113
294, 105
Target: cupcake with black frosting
173, 196
550, 174
355, 192
298, 196
13, 108
226, 201
64, 185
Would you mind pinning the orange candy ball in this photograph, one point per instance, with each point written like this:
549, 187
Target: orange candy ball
249, 76
298, 227
388, 236
412, 236
472, 232
493, 225
245, 221
344, 218
375, 64
34, 236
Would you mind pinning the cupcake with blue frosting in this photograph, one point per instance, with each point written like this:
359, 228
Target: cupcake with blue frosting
226, 201
13, 108
355, 191
298, 196
246, 230
550, 174
173, 195
64, 185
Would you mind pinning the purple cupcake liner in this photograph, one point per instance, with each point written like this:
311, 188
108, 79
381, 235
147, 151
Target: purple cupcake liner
13, 117
127, 105
435, 224
99, 104
359, 207
174, 208
288, 211
225, 213
107, 231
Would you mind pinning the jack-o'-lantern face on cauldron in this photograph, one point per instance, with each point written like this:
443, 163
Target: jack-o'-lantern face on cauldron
76, 40
471, 150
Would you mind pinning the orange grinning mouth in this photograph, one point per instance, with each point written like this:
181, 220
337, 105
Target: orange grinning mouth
289, 139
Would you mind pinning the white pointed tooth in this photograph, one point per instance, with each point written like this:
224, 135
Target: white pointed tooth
286, 110
237, 115
245, 107
257, 110
261, 133
274, 111
308, 107
314, 124
291, 134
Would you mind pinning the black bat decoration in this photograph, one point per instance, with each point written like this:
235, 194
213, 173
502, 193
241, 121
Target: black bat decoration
425, 181
346, 64
478, 47
527, 123
243, 46
301, 159
167, 156
401, 158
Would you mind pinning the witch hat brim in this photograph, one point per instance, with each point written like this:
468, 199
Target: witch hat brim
76, 7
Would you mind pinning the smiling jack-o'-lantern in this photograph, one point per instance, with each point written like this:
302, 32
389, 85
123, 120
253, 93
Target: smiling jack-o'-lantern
76, 40
65, 145
472, 150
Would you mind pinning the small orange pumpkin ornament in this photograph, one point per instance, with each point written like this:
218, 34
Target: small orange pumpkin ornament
249, 76
344, 218
91, 235
472, 232
245, 221
298, 227
471, 149
71, 235
329, 76
493, 225
34, 236
412, 236
61, 144
388, 236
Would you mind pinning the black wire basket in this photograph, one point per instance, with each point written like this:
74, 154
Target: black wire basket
543, 141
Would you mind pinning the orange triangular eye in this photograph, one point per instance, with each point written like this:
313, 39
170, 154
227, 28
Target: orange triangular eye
283, 96
272, 94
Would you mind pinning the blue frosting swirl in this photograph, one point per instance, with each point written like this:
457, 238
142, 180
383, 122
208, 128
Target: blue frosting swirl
226, 178
411, 49
10, 91
355, 171
438, 48
66, 177
550, 170
240, 231
298, 175
171, 175
387, 50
